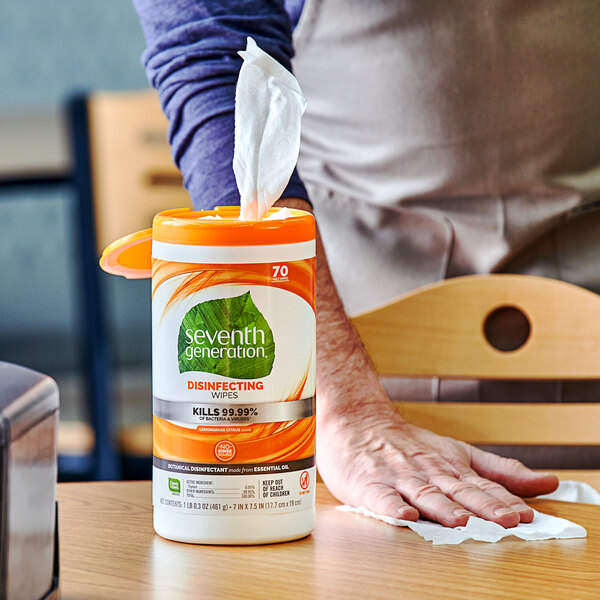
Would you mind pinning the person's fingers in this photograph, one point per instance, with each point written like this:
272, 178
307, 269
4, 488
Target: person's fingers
385, 500
496, 490
433, 504
512, 474
476, 500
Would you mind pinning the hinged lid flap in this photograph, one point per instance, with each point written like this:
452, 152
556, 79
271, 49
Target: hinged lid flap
130, 256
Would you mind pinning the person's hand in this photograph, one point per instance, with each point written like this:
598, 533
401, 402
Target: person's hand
396, 469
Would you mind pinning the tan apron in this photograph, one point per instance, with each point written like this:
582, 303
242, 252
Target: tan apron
448, 137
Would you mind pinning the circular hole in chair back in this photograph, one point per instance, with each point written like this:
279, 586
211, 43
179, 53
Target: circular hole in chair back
506, 328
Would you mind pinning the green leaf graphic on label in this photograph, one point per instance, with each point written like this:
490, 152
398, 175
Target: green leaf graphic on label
226, 336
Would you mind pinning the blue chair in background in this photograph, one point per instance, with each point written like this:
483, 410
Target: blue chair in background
123, 175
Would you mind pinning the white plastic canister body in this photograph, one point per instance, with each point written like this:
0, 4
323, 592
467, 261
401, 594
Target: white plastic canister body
233, 392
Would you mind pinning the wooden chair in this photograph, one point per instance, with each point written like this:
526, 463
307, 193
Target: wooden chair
133, 174
123, 175
442, 330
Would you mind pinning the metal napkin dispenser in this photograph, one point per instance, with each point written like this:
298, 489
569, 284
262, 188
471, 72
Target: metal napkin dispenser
28, 432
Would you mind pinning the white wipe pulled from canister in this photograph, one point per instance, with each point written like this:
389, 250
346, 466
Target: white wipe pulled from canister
268, 107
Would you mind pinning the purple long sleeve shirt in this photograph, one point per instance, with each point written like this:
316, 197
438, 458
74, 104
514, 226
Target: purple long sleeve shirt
191, 59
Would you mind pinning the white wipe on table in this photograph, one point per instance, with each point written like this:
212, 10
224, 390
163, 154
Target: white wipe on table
543, 527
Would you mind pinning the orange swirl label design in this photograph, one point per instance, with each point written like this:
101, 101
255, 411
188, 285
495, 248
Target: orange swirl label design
233, 346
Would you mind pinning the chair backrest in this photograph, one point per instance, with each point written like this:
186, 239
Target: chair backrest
133, 174
443, 330
123, 175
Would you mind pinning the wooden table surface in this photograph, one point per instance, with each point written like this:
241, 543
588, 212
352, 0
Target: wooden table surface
109, 550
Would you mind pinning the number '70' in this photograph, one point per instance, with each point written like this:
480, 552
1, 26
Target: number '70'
280, 270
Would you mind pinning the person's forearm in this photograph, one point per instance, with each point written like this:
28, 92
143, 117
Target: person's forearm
369, 456
191, 59
342, 363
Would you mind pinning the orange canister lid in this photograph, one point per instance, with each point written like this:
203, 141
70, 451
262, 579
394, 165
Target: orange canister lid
185, 226
131, 256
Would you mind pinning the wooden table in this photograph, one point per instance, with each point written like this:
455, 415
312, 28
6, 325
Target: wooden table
109, 550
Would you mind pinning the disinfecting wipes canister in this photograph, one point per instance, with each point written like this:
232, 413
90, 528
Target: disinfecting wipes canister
233, 321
